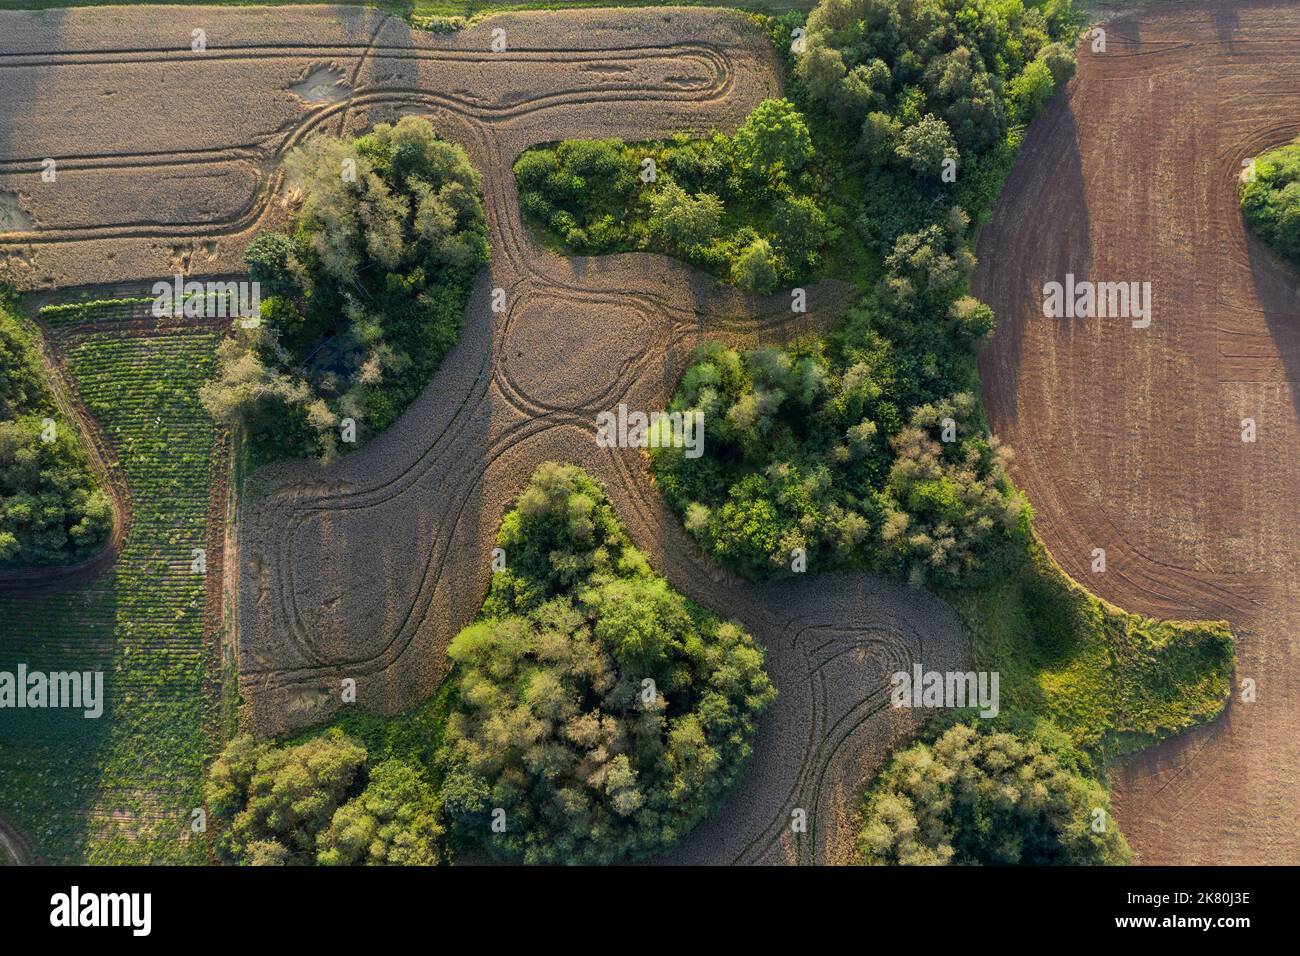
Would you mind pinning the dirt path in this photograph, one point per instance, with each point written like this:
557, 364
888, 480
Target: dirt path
1130, 439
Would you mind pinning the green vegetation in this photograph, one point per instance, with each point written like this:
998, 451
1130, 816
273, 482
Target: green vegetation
866, 447
750, 208
121, 788
921, 81
1115, 682
319, 802
974, 796
1271, 200
364, 299
52, 509
600, 709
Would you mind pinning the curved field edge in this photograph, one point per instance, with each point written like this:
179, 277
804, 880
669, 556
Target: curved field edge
121, 789
1116, 682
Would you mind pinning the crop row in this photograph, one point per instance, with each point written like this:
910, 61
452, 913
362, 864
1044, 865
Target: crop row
120, 788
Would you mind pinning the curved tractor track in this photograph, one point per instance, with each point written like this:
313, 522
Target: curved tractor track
367, 569
1131, 439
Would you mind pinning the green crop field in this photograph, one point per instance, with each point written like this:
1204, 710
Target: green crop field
121, 788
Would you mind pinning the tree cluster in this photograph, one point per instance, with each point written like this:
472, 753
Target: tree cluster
52, 510
364, 298
979, 797
922, 82
866, 449
1270, 199
319, 802
600, 714
750, 208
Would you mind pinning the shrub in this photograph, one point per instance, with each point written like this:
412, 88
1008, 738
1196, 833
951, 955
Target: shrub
1271, 200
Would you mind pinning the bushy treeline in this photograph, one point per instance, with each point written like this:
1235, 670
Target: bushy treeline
593, 714
52, 510
751, 208
364, 299
602, 714
924, 81
1270, 199
980, 796
321, 802
866, 449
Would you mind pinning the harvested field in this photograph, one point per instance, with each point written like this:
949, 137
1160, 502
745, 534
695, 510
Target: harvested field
1129, 439
368, 569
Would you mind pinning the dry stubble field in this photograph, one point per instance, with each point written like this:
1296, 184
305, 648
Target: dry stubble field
367, 570
1130, 439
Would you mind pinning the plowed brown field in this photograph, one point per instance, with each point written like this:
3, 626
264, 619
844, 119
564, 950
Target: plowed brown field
1130, 439
367, 569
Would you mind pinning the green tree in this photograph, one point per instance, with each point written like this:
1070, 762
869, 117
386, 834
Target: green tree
1030, 91
925, 145
684, 220
980, 797
773, 142
1270, 199
756, 267
272, 802
394, 822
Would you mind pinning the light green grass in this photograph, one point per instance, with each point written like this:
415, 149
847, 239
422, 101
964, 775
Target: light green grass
120, 789
1115, 682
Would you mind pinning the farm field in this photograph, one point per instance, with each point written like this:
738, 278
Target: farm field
120, 789
1131, 439
358, 571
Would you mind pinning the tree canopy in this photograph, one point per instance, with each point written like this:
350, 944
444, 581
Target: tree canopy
1270, 199
319, 802
364, 298
976, 796
920, 81
52, 509
600, 714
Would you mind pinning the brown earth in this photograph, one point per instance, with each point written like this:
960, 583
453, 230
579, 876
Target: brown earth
1130, 439
367, 569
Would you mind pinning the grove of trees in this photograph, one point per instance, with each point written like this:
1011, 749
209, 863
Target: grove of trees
1270, 199
751, 208
977, 796
52, 509
600, 714
366, 296
921, 81
320, 802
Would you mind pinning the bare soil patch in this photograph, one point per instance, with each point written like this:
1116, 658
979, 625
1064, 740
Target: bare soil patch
1130, 439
